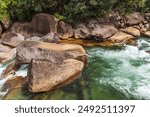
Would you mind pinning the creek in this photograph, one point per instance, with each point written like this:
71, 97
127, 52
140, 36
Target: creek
112, 73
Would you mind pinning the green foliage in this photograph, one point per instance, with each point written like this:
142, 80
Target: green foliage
69, 10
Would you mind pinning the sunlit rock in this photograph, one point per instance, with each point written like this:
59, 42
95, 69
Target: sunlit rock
28, 50
44, 75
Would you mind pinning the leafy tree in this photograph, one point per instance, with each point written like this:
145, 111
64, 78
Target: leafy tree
69, 10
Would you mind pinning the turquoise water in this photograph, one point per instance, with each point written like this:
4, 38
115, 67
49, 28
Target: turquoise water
112, 73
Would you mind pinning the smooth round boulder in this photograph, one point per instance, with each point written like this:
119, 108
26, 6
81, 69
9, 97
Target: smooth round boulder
44, 23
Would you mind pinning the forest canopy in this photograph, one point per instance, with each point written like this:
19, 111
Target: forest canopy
69, 10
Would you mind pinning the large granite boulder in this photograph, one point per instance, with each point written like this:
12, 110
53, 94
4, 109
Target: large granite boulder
65, 30
12, 39
44, 23
134, 19
132, 31
45, 75
28, 50
121, 37
101, 31
82, 32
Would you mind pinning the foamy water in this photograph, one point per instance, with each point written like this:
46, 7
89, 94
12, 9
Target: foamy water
127, 70
21, 72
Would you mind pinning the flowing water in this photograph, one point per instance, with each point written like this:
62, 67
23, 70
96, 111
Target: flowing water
112, 73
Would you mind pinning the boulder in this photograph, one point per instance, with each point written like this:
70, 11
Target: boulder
23, 28
28, 50
51, 38
13, 83
81, 31
65, 30
114, 18
44, 23
7, 55
134, 19
120, 37
132, 31
12, 39
101, 31
44, 75
147, 33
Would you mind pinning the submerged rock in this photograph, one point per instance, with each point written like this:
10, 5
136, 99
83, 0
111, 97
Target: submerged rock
28, 50
44, 75
12, 39
65, 30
